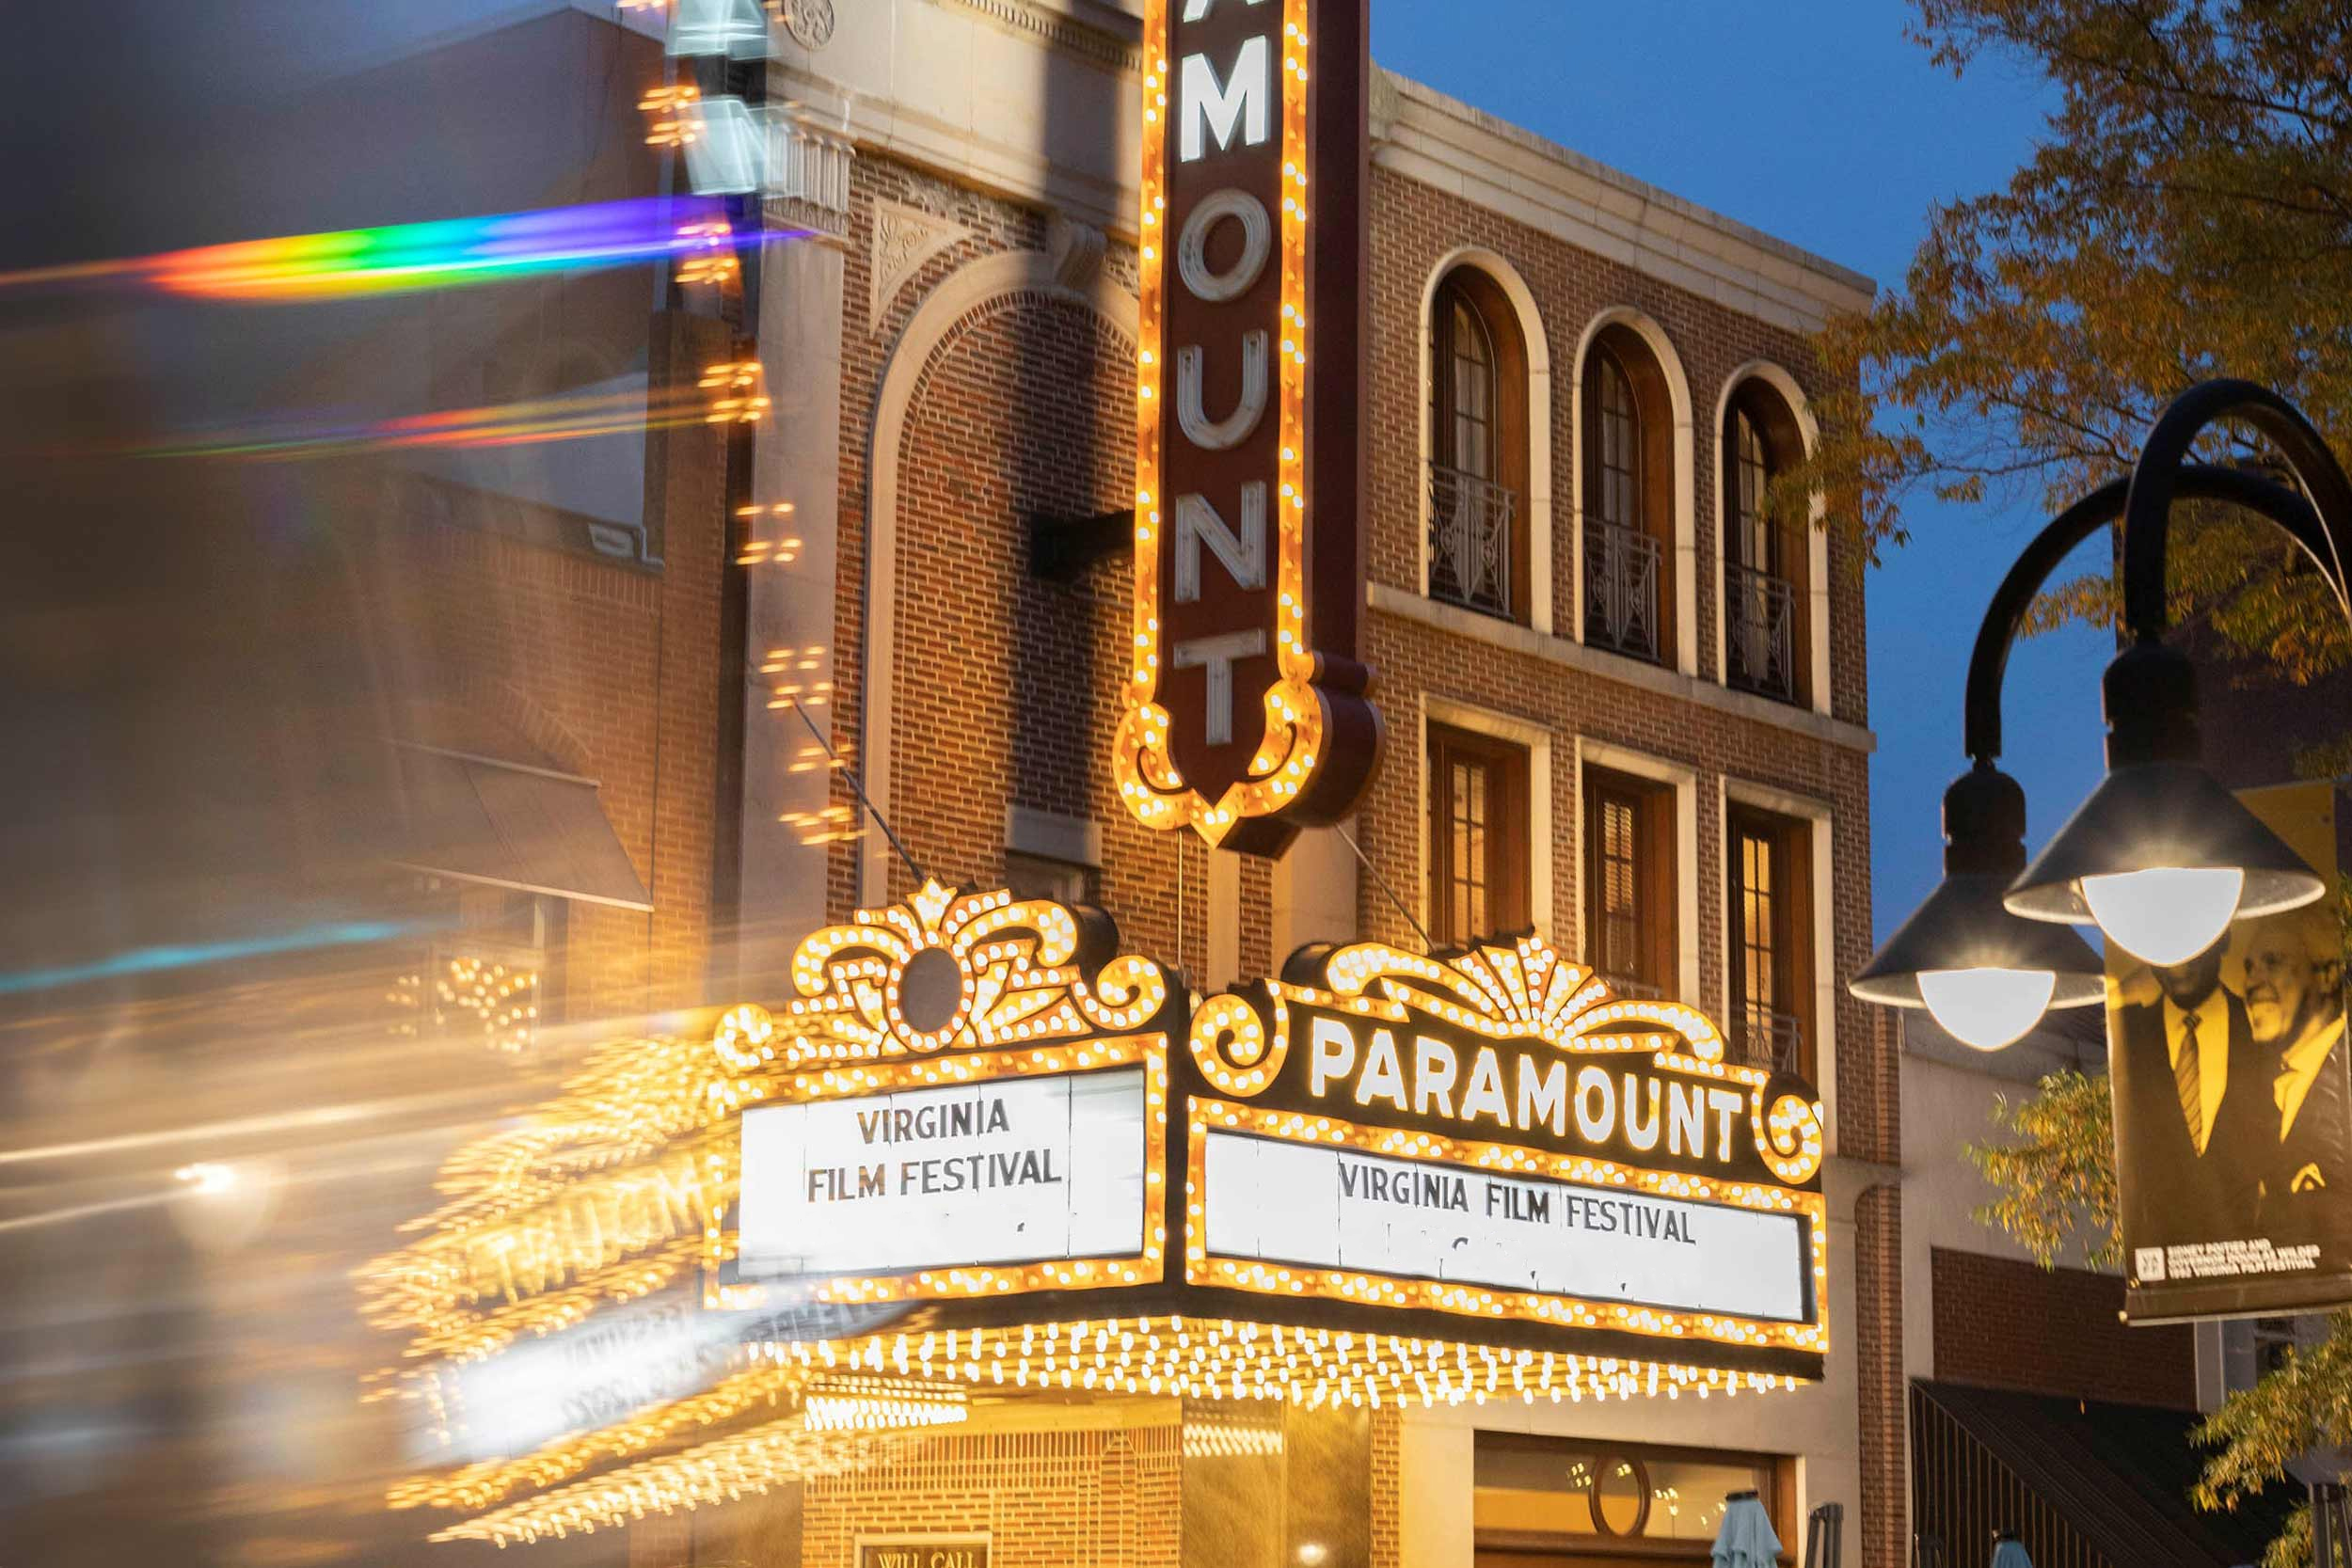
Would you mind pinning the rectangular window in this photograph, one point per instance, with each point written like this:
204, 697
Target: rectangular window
1771, 930
1540, 1501
1065, 883
494, 970
1478, 849
1630, 882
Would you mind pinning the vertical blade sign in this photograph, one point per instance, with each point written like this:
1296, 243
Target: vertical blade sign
1246, 716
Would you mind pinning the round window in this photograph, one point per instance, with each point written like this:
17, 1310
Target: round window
1620, 1493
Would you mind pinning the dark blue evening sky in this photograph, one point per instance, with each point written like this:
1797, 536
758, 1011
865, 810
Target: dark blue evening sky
1824, 126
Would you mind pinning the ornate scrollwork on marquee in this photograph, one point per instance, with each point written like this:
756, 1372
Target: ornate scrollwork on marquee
1519, 990
947, 971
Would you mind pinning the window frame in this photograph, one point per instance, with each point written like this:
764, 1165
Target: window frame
478, 923
1657, 876
1509, 885
1754, 404
1466, 286
1789, 845
1775, 1481
1619, 348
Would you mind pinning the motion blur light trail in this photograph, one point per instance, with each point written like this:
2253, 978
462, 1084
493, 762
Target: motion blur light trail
530, 422
147, 961
449, 253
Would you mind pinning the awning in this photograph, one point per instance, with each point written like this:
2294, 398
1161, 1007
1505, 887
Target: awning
482, 820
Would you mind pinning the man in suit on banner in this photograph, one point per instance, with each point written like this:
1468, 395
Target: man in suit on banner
2196, 1122
2291, 968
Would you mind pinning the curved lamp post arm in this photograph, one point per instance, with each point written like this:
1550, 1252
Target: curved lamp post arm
2014, 598
2323, 527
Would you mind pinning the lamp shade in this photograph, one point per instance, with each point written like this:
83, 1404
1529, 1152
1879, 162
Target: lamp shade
2163, 858
1986, 974
1976, 958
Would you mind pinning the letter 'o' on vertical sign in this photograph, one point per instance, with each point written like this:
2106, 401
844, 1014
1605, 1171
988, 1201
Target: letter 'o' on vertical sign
1246, 710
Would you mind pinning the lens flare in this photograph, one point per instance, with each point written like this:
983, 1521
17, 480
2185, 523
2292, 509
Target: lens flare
445, 254
535, 422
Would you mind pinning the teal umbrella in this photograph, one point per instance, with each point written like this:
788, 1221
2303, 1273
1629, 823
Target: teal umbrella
2009, 1552
1746, 1539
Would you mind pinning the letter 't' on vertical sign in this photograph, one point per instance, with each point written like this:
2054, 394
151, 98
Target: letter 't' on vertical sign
1246, 718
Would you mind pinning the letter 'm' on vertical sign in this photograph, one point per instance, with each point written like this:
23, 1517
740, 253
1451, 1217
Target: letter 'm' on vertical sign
1247, 716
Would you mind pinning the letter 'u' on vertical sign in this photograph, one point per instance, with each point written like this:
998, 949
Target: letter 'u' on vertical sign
1245, 713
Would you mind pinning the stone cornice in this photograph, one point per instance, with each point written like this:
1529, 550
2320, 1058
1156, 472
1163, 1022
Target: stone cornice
1102, 33
1425, 135
1521, 639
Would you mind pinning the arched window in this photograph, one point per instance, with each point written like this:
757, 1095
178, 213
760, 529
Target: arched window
1477, 448
1629, 499
1766, 598
1464, 391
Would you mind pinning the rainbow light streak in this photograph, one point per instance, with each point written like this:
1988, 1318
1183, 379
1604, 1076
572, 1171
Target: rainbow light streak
449, 253
533, 422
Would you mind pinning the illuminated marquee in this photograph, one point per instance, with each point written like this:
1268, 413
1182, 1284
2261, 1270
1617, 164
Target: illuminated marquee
1495, 1135
969, 1098
1405, 1179
1245, 709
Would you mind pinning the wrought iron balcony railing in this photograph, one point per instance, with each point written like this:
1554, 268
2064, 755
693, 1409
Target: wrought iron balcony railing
1621, 580
1768, 1039
1626, 988
1760, 631
1470, 540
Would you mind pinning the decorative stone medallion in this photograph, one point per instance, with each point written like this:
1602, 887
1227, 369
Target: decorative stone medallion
809, 22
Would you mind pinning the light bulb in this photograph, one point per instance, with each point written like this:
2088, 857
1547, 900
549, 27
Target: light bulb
2167, 916
1987, 1008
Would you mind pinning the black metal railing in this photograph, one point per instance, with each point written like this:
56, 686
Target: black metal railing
1626, 989
1760, 631
1621, 582
1761, 1038
1472, 540
1963, 1493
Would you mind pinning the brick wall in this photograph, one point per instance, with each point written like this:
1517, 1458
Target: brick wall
2004, 1323
607, 669
1005, 688
1388, 1489
1055, 1499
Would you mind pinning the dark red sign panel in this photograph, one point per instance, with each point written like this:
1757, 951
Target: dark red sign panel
1246, 716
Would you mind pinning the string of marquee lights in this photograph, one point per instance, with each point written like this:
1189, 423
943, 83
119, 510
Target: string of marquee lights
1017, 986
605, 1194
1524, 990
1503, 991
1025, 1005
1471, 1300
1150, 780
622, 1184
1212, 1361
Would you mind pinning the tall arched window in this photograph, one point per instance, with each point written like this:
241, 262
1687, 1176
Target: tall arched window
1464, 391
1766, 598
1629, 499
1477, 448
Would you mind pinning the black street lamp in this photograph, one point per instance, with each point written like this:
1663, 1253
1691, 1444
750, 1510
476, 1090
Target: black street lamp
2161, 857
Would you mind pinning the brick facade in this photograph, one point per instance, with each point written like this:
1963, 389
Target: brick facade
1002, 691
2004, 1323
600, 667
1043, 1499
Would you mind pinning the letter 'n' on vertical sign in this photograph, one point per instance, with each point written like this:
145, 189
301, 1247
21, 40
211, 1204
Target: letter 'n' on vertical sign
1246, 716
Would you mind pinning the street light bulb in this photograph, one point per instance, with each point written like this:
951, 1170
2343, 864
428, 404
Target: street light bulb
1987, 1008
2165, 916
